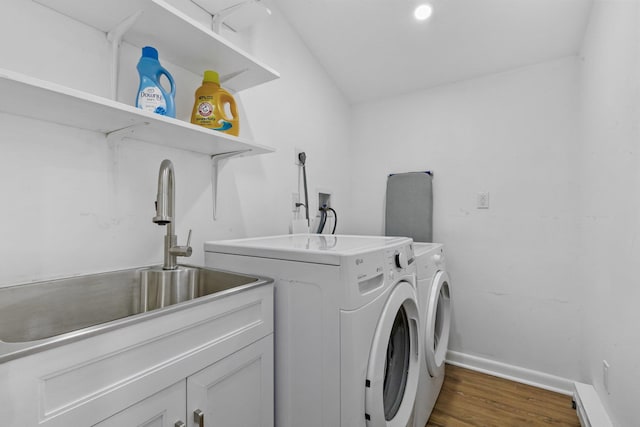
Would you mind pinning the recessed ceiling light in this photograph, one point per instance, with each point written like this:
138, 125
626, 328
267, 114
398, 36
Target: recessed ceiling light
423, 12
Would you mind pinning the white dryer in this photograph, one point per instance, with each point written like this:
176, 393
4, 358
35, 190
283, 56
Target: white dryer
346, 325
434, 304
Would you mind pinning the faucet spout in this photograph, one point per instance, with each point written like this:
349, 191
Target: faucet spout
165, 203
165, 215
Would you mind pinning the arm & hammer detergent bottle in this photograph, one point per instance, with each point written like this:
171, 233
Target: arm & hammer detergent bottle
209, 109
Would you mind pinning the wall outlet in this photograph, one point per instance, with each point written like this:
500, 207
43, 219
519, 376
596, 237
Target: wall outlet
324, 200
482, 200
295, 198
605, 375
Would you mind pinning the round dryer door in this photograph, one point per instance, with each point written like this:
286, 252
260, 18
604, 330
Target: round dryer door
394, 362
438, 323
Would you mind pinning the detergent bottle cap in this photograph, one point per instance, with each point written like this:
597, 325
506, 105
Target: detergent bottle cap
149, 52
211, 76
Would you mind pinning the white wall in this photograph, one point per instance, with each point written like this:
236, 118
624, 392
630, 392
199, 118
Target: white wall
74, 204
610, 204
515, 299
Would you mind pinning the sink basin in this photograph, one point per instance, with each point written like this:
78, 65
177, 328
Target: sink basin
45, 310
161, 288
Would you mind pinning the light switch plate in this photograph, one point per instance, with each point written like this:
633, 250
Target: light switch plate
482, 201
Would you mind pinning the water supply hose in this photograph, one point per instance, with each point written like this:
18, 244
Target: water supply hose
323, 220
335, 220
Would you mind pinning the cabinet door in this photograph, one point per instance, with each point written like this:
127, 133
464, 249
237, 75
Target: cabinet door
167, 408
236, 391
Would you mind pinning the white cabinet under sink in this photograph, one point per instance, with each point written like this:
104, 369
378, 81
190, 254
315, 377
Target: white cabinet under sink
167, 408
216, 357
236, 391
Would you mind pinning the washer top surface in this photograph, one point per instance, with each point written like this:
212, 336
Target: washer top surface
315, 248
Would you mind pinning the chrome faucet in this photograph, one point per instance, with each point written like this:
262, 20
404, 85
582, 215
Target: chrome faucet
165, 215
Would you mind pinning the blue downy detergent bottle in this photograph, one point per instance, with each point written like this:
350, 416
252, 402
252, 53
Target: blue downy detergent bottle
151, 95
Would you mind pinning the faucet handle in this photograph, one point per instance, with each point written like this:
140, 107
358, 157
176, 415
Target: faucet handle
185, 251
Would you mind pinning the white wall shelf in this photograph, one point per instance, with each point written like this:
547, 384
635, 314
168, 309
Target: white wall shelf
178, 38
82, 110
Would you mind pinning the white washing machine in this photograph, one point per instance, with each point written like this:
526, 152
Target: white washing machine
346, 325
434, 304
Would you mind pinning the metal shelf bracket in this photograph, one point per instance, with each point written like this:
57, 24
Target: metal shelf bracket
114, 36
217, 161
125, 132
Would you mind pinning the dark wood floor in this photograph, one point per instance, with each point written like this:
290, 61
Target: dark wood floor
470, 398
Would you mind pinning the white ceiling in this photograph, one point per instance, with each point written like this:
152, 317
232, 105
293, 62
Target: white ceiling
376, 49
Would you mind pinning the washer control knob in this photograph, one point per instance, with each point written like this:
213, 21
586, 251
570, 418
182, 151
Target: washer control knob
437, 258
401, 260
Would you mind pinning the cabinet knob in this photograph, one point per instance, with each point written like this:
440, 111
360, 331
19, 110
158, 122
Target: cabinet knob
198, 417
179, 424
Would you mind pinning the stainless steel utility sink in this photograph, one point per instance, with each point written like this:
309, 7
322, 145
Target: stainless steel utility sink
58, 310
161, 288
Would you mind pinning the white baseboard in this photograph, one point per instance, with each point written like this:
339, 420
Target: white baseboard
511, 372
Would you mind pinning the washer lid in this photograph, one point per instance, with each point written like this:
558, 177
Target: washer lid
316, 248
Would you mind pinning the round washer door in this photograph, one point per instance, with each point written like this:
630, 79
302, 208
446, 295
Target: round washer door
438, 323
394, 362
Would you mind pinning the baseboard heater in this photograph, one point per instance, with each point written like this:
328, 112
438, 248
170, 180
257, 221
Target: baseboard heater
590, 411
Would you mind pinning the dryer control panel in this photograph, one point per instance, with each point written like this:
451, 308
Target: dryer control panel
429, 260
